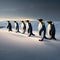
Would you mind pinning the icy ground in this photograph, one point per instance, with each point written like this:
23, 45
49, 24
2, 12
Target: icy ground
16, 46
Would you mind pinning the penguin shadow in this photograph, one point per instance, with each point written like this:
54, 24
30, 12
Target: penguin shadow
18, 32
57, 40
19, 35
51, 40
35, 36
46, 40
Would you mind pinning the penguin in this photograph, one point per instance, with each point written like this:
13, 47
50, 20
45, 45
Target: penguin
30, 28
16, 26
9, 26
42, 28
51, 30
23, 26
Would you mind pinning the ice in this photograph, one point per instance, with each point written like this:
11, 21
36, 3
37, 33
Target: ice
17, 46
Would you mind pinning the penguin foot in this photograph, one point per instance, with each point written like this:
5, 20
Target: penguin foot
54, 38
17, 31
29, 35
33, 34
41, 40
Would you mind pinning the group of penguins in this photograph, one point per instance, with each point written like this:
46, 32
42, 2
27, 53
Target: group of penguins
41, 28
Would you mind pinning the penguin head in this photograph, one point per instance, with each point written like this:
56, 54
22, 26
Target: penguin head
41, 21
8, 21
15, 21
27, 21
49, 22
22, 21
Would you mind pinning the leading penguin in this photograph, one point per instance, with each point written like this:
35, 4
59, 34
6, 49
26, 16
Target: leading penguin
51, 30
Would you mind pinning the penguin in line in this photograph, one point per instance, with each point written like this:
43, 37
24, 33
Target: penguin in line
30, 28
23, 26
17, 26
52, 30
42, 28
9, 26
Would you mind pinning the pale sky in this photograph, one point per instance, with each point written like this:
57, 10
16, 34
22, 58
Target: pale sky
30, 9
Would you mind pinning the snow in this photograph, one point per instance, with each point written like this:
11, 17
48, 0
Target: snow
17, 46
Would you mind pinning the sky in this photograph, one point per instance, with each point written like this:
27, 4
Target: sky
30, 9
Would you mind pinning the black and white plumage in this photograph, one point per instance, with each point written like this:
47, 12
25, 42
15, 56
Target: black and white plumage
51, 30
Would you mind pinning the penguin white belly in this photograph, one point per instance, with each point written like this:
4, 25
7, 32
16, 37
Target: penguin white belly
27, 27
15, 26
48, 30
22, 25
39, 26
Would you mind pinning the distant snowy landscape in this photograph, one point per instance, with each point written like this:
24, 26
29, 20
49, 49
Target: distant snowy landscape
17, 46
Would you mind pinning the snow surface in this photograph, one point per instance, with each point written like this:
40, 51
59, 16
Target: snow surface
16, 46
